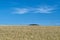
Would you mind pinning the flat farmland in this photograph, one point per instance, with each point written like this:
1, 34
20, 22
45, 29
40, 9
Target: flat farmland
29, 33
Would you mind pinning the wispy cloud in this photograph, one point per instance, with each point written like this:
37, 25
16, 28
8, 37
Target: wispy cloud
41, 9
20, 11
45, 9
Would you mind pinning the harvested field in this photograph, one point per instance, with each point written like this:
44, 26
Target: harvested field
29, 33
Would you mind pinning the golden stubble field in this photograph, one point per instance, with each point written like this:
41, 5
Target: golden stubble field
29, 33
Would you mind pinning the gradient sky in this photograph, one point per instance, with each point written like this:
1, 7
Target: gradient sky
43, 12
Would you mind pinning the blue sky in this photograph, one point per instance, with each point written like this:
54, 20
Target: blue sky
43, 12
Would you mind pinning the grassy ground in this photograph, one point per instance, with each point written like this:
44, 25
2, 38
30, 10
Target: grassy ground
29, 33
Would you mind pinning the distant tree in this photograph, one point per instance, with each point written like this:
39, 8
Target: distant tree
33, 24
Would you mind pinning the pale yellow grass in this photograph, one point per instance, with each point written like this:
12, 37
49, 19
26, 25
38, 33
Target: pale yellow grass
29, 33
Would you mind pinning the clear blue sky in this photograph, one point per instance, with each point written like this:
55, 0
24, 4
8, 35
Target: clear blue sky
43, 12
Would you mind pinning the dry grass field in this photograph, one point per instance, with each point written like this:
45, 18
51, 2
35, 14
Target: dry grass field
29, 33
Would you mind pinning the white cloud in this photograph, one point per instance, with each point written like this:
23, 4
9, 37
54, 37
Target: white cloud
45, 9
42, 9
20, 11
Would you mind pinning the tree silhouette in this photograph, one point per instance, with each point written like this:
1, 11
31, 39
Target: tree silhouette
33, 24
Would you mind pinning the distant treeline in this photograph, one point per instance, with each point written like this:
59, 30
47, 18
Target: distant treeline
33, 24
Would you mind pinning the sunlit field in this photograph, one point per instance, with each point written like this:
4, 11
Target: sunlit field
29, 33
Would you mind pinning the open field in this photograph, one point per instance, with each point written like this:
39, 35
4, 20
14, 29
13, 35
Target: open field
29, 33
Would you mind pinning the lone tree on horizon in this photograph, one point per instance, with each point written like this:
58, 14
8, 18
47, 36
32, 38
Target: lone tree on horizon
33, 24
